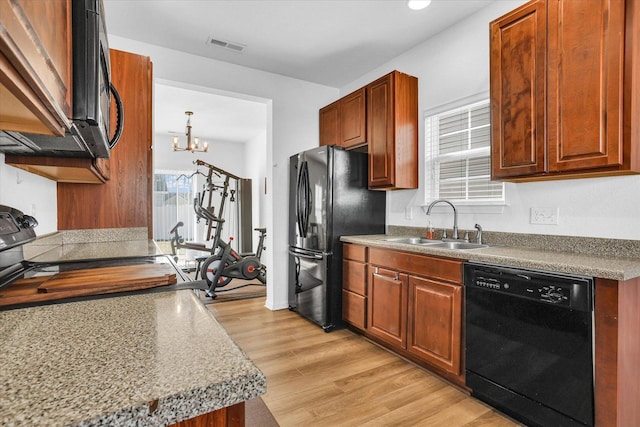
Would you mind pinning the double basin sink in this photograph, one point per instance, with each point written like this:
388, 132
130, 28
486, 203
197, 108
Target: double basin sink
454, 245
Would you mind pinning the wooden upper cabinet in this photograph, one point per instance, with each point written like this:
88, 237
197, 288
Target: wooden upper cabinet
518, 64
383, 117
35, 66
392, 132
353, 128
330, 124
126, 199
585, 84
565, 90
342, 123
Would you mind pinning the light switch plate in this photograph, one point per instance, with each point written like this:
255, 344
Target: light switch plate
408, 213
547, 216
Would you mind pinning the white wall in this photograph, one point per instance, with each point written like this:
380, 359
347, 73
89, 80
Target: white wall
455, 64
256, 170
292, 124
31, 194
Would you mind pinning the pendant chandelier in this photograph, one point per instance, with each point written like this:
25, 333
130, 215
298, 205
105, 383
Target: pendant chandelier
192, 144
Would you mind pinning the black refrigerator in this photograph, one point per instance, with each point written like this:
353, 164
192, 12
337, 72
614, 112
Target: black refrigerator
328, 199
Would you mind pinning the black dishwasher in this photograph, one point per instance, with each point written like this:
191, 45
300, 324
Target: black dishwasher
529, 343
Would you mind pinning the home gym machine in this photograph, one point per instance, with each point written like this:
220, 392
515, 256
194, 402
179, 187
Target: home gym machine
223, 264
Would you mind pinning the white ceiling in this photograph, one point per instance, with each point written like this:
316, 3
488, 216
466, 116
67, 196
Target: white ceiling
329, 42
215, 117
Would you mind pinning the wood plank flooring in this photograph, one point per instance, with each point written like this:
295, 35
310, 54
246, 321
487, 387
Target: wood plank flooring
341, 379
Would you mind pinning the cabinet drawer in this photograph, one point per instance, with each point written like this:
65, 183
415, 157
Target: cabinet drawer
354, 277
440, 268
354, 309
354, 252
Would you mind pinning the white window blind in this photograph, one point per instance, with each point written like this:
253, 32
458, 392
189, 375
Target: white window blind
458, 147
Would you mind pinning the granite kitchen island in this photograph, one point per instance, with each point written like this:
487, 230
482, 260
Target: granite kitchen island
149, 359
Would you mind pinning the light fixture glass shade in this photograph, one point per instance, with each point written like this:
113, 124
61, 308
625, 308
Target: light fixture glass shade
418, 4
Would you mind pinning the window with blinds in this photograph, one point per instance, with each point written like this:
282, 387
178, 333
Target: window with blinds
458, 148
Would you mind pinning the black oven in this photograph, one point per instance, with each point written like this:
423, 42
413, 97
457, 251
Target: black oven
92, 92
529, 343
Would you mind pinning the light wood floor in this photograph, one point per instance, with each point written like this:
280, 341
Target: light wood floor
341, 379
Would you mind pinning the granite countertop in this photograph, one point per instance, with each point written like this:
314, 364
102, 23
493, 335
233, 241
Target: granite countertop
110, 361
595, 265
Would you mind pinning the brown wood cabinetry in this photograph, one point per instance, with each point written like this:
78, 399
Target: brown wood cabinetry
382, 116
354, 285
392, 132
126, 199
230, 416
414, 304
565, 90
35, 85
35, 66
330, 124
353, 129
387, 305
435, 322
63, 169
617, 351
343, 122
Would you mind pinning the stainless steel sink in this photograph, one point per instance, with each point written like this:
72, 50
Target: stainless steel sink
453, 245
413, 240
458, 245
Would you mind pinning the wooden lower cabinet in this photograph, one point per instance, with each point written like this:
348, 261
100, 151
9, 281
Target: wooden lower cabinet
435, 323
354, 285
230, 416
617, 351
387, 308
414, 306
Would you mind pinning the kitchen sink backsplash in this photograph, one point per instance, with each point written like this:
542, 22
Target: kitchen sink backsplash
585, 245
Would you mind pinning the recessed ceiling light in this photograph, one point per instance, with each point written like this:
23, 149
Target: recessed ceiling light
418, 4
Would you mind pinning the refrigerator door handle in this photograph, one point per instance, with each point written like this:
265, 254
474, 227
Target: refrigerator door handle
305, 254
299, 201
304, 197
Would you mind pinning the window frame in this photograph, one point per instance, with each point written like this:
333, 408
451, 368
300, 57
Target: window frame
430, 176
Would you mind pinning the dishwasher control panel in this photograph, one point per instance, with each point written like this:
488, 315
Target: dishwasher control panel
543, 286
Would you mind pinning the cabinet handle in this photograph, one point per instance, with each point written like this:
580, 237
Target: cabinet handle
396, 275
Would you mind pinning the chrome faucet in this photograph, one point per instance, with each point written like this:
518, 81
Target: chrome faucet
478, 234
455, 215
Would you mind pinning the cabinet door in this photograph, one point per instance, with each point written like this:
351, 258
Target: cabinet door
330, 124
352, 120
435, 317
392, 132
387, 308
518, 69
585, 84
35, 66
380, 131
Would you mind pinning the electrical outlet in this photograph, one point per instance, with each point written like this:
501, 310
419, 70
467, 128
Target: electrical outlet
408, 213
547, 216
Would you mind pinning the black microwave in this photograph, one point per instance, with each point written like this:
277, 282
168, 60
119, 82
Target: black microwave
92, 90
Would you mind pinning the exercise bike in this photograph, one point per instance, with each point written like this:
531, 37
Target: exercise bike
224, 263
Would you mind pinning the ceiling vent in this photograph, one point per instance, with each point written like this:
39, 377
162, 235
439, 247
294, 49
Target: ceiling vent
226, 44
